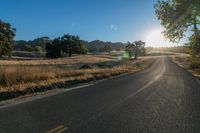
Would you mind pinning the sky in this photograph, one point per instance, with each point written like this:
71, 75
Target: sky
107, 20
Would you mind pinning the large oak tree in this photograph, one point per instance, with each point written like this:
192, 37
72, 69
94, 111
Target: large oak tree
179, 16
136, 48
65, 46
7, 34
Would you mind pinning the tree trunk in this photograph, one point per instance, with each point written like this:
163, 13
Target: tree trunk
196, 32
135, 56
196, 43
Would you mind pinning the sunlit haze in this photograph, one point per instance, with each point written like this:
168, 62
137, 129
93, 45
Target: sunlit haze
155, 38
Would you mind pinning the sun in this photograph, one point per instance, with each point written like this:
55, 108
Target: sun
156, 39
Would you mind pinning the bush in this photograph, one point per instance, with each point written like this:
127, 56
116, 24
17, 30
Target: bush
195, 64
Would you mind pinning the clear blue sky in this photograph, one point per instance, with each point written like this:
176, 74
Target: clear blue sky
108, 20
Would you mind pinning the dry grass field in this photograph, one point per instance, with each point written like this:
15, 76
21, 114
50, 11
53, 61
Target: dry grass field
74, 60
17, 76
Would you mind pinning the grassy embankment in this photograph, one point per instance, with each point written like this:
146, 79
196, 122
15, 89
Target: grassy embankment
19, 78
193, 65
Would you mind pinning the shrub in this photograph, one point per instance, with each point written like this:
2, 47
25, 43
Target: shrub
195, 64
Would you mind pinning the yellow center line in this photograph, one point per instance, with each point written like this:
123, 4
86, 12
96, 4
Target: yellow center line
58, 129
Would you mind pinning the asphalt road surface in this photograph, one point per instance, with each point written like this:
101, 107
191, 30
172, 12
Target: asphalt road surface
161, 99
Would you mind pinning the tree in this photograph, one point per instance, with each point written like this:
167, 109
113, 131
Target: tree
130, 48
177, 16
54, 49
194, 46
38, 49
7, 34
28, 48
65, 46
79, 48
72, 45
140, 47
136, 48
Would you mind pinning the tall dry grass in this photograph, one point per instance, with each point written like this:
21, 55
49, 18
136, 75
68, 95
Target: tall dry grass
22, 74
15, 78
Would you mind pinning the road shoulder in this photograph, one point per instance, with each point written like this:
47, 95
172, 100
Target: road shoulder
182, 61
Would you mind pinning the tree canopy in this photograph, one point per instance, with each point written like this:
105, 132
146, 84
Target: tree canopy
136, 48
65, 46
7, 34
179, 16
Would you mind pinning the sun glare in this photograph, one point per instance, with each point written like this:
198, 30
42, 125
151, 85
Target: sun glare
156, 39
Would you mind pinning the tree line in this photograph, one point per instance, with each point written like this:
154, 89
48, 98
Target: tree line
92, 46
63, 46
104, 46
36, 45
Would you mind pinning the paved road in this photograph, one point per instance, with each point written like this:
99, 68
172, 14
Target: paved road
161, 99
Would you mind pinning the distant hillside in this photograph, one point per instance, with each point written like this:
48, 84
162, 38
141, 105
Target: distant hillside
22, 45
93, 46
101, 46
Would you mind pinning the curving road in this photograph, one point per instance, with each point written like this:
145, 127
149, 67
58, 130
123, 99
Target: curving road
161, 99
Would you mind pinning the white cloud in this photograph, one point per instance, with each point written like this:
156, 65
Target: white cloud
113, 27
